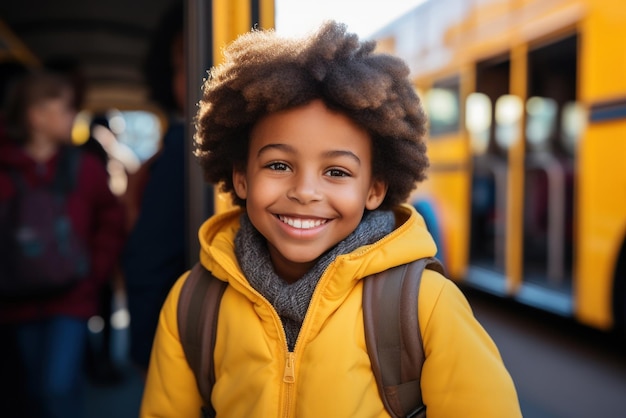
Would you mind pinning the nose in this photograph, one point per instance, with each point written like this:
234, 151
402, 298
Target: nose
305, 188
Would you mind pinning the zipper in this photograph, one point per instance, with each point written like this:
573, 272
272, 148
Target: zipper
289, 376
289, 373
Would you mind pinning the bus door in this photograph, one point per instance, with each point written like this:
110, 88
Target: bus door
549, 175
489, 178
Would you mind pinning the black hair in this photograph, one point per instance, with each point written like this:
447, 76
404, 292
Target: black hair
265, 73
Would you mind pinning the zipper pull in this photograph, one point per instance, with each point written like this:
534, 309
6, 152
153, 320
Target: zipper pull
289, 376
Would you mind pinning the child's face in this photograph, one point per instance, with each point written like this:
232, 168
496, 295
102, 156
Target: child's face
307, 183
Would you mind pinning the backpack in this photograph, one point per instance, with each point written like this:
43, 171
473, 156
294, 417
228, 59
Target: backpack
40, 254
389, 315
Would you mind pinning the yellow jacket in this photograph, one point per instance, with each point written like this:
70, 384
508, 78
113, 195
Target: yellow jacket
463, 374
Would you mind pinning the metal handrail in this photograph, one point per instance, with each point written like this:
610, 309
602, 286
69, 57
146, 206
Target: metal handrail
499, 170
555, 173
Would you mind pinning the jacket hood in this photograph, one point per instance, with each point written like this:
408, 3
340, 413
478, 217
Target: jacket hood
409, 241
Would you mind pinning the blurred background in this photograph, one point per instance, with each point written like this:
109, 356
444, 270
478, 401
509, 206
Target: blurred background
525, 196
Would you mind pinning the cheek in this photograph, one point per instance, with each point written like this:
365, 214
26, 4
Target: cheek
354, 195
264, 193
352, 201
258, 191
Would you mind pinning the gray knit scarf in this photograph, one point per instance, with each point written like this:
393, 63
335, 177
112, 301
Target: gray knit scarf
291, 301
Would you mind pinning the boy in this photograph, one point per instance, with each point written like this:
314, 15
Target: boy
319, 141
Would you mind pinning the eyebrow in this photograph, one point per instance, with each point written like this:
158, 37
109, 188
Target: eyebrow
282, 147
343, 153
328, 154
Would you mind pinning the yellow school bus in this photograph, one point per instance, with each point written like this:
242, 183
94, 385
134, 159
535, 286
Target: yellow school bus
527, 143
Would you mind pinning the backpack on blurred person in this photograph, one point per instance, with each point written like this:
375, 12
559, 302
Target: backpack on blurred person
389, 316
40, 254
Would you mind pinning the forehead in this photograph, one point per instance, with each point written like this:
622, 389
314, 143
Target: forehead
53, 102
310, 126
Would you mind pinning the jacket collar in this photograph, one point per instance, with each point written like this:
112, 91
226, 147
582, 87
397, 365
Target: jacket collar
409, 241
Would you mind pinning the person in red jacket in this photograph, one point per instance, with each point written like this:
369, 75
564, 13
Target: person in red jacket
50, 331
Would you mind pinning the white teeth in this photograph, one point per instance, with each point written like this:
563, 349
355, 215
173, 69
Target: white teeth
302, 223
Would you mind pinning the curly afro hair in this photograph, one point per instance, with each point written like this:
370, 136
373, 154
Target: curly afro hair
265, 73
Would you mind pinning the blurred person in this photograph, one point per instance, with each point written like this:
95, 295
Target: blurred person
154, 255
99, 364
50, 328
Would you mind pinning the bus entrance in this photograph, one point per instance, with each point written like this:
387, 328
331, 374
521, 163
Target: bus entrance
490, 162
542, 119
549, 164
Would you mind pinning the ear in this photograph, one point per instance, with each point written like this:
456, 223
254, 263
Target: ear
240, 183
376, 194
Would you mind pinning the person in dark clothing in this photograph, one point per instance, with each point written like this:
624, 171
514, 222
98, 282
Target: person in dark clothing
154, 255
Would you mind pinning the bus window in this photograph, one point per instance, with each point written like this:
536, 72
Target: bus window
128, 138
442, 106
478, 121
139, 130
541, 118
508, 118
549, 166
492, 79
573, 123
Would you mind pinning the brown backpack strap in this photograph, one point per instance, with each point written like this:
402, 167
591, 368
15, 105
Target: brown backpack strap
393, 336
198, 309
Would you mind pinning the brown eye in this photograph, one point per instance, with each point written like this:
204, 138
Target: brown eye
335, 172
278, 166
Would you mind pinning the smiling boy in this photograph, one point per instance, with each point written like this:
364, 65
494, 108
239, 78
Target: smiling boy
319, 141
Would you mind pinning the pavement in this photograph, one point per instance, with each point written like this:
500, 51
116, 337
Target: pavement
114, 386
119, 400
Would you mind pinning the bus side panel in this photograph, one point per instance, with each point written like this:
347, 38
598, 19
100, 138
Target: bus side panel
604, 63
601, 192
448, 186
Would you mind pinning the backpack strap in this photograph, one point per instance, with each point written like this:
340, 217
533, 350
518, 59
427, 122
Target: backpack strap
197, 314
393, 336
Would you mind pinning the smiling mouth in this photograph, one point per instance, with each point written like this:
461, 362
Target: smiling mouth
300, 223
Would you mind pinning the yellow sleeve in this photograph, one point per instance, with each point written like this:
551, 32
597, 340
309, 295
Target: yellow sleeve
171, 390
463, 375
